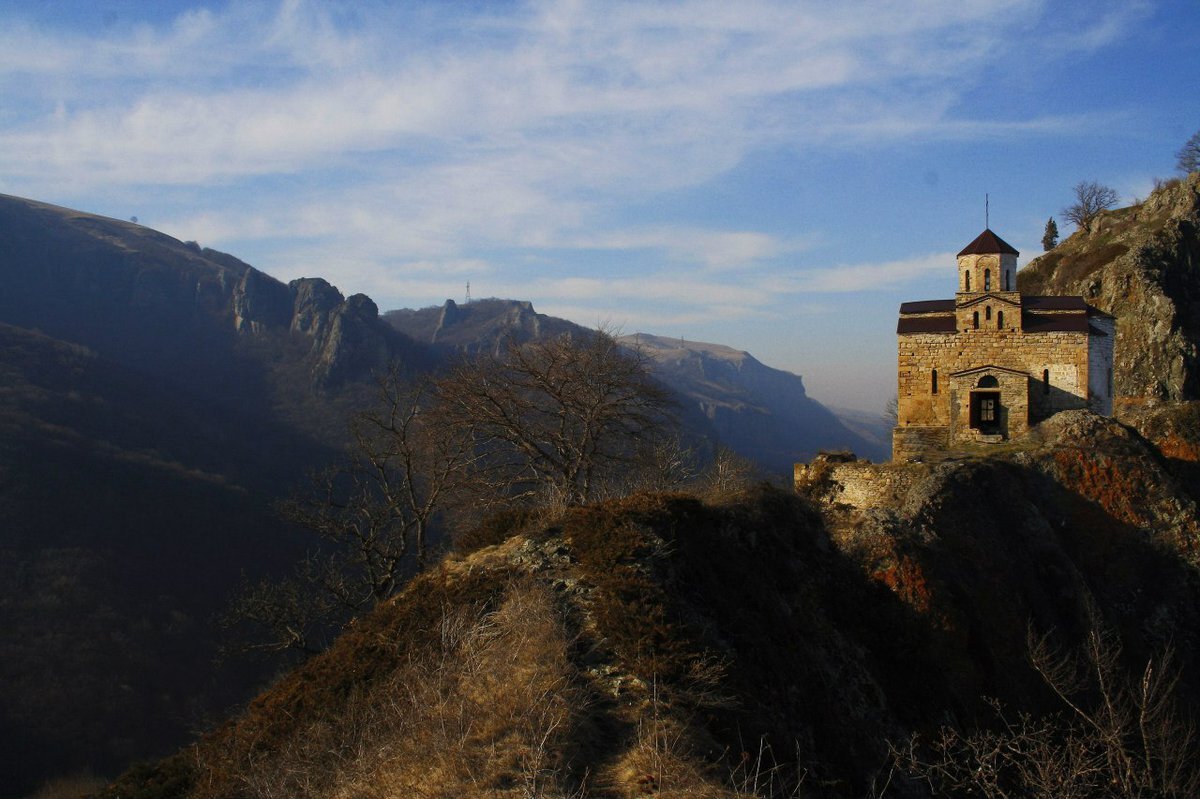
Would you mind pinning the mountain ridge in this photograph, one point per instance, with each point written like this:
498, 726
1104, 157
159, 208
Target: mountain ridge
759, 412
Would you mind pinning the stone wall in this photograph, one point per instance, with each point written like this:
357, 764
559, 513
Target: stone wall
1063, 354
861, 484
1002, 268
909, 443
1100, 366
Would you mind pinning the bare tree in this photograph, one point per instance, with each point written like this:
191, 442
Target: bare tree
1090, 199
1189, 155
406, 464
407, 467
558, 419
1117, 735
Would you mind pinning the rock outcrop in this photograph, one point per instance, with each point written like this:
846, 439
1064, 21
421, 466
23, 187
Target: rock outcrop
152, 302
1141, 264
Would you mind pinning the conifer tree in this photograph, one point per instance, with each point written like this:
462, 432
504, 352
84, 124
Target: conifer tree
1189, 155
1050, 236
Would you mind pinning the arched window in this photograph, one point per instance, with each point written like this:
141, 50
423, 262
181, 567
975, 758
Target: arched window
987, 279
1006, 276
975, 319
967, 275
988, 381
987, 313
933, 382
999, 320
1045, 381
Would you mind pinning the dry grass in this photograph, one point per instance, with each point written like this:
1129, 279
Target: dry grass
74, 786
489, 709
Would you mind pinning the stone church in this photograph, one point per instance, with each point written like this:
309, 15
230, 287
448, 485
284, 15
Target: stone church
985, 366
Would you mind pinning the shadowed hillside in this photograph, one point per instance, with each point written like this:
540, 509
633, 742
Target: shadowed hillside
673, 645
157, 399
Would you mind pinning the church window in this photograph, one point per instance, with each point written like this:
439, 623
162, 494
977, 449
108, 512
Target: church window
999, 320
987, 313
933, 383
1045, 381
987, 279
968, 277
1006, 275
975, 319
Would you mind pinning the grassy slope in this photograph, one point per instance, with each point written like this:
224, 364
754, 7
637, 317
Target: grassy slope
644, 645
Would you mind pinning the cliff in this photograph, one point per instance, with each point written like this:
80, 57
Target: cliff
151, 302
1141, 264
758, 411
761, 413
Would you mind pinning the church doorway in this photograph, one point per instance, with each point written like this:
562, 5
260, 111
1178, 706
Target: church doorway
985, 411
985, 406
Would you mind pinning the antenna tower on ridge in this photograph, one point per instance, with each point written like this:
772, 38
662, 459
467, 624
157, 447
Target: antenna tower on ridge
468, 292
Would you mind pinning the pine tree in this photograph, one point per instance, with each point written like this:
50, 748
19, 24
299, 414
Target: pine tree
1050, 237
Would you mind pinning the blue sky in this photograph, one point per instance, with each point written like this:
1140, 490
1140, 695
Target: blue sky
774, 176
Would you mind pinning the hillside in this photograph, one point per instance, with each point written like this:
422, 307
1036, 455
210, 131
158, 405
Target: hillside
761, 413
731, 645
128, 510
157, 399
1141, 264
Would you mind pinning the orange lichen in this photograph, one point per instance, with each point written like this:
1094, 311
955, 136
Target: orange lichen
905, 577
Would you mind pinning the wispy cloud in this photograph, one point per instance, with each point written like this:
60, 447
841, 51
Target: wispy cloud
872, 276
395, 147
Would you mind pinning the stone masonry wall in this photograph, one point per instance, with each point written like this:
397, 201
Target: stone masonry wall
1064, 354
861, 484
909, 443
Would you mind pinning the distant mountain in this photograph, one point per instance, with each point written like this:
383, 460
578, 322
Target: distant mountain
128, 510
758, 412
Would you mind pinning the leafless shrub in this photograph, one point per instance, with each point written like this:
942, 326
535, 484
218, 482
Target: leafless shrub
1090, 199
1118, 735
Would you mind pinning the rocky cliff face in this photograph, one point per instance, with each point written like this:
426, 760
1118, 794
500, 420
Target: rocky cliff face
1141, 264
754, 408
479, 327
149, 301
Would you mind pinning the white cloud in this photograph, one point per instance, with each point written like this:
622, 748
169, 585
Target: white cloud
870, 276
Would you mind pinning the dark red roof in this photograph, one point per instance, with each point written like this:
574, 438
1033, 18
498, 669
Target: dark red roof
1055, 323
1054, 303
987, 243
927, 306
926, 324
